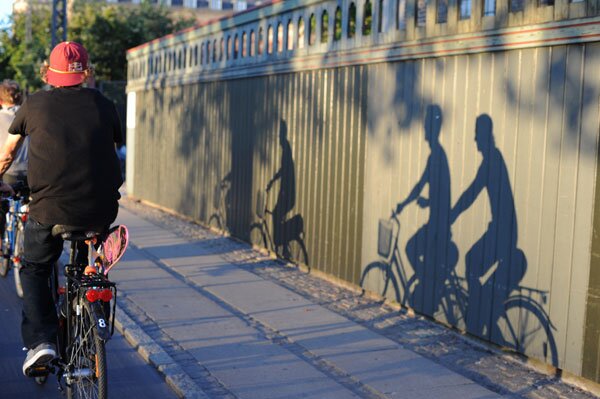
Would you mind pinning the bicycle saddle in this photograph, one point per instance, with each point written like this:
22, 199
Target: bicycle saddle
75, 233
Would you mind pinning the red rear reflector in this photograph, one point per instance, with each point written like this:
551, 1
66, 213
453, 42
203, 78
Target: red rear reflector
24, 217
92, 295
61, 290
106, 295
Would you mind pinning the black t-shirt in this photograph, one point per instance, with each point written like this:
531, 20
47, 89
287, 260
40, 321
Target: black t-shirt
73, 171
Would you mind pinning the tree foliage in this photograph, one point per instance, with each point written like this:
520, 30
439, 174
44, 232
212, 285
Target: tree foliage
106, 30
21, 54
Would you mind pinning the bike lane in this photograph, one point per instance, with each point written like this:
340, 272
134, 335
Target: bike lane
128, 375
227, 332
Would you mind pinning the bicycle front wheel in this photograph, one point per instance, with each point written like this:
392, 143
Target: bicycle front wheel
86, 355
377, 277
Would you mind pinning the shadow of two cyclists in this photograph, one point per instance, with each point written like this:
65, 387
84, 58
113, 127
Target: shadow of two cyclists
482, 301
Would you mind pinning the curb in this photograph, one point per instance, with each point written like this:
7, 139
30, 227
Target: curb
177, 379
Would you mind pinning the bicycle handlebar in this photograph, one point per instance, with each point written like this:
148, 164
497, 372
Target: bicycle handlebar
394, 217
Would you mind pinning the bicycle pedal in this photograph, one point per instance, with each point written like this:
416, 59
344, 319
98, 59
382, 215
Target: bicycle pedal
39, 371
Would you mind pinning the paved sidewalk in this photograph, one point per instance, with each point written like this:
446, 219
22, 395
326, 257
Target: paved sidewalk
222, 321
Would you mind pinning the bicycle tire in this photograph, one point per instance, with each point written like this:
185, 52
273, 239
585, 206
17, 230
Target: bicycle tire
257, 236
18, 253
297, 252
86, 353
215, 222
5, 251
522, 339
378, 276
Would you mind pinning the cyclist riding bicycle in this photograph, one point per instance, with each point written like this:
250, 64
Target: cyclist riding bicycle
74, 177
10, 101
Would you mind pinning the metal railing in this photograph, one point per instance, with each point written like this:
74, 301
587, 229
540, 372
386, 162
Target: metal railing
287, 30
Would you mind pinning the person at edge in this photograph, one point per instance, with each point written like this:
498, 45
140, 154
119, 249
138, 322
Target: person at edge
74, 178
10, 101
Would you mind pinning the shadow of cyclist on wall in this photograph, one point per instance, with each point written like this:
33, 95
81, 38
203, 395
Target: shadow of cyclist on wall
430, 251
494, 264
286, 230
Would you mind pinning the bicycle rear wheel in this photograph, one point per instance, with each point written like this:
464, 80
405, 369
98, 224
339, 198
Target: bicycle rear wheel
526, 328
86, 355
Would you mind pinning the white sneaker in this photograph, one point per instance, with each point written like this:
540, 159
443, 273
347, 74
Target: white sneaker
41, 355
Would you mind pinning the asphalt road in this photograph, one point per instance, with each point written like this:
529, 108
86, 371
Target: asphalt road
128, 375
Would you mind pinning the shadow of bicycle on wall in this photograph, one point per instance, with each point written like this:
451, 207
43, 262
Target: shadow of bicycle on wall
521, 324
489, 301
286, 238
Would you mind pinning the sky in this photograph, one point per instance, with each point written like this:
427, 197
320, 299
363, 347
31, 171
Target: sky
5, 11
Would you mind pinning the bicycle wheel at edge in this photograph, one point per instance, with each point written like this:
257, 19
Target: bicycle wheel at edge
524, 337
5, 251
87, 355
19, 245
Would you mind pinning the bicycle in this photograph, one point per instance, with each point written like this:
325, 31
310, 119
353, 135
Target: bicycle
12, 239
293, 247
85, 315
523, 325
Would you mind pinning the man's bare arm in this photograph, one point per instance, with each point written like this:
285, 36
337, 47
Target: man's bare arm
9, 151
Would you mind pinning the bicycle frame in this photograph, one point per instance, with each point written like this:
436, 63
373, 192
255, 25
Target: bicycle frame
396, 259
15, 212
391, 256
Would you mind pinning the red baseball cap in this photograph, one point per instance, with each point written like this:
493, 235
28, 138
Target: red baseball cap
68, 64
